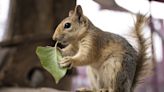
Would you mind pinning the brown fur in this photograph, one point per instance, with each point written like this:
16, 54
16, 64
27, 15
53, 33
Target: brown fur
113, 64
144, 65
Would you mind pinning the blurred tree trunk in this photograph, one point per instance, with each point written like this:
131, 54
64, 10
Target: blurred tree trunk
31, 24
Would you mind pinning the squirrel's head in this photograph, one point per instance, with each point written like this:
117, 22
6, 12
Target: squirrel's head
72, 28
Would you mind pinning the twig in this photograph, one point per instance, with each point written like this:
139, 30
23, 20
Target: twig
17, 40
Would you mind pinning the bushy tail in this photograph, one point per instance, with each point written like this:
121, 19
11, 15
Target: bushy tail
144, 66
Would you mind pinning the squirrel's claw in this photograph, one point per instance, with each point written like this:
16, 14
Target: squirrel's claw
66, 62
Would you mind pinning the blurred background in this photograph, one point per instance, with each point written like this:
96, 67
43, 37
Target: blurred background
26, 24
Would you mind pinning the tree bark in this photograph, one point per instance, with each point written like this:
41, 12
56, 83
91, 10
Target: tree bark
31, 24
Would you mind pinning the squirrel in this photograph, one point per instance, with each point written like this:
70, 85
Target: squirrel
113, 64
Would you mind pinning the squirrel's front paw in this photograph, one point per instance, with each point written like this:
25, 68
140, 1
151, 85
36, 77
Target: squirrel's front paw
66, 62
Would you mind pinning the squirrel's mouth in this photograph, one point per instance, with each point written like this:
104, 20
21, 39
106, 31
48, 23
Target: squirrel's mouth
63, 42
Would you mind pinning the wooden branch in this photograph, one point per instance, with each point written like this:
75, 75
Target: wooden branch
159, 33
155, 77
17, 40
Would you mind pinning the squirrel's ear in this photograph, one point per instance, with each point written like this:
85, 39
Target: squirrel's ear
79, 13
71, 12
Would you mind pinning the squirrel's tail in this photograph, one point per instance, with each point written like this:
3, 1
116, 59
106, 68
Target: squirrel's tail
143, 63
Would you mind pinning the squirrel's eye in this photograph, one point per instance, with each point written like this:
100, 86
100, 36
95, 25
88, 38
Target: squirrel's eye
67, 25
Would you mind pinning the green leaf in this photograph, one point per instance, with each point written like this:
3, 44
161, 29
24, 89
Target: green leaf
49, 58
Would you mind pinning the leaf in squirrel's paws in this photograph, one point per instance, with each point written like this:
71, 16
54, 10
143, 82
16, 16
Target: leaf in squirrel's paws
49, 58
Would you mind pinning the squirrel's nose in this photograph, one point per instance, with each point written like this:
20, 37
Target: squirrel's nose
54, 38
